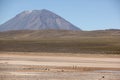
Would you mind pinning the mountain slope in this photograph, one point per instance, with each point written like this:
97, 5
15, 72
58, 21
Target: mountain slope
37, 20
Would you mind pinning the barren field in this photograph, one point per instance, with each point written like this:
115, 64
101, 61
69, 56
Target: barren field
23, 66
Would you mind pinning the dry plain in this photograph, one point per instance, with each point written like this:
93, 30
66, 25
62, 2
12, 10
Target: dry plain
48, 66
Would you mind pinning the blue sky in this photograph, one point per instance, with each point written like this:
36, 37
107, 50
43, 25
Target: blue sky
85, 14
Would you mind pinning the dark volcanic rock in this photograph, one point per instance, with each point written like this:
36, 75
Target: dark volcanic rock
37, 20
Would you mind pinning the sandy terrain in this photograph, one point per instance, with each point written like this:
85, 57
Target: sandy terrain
29, 67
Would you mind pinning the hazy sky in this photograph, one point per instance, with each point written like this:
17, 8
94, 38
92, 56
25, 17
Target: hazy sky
85, 14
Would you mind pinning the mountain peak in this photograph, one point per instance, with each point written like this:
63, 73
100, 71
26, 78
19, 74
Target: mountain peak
27, 11
44, 10
37, 20
30, 11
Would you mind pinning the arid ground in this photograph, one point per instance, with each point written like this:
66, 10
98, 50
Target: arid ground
60, 55
44, 66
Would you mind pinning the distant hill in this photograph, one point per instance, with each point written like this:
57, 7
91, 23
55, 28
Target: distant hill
37, 20
51, 34
61, 41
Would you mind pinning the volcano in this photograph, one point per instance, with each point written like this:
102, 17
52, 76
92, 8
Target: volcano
37, 20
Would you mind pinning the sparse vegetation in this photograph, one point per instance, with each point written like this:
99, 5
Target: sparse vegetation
23, 48
83, 45
103, 42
